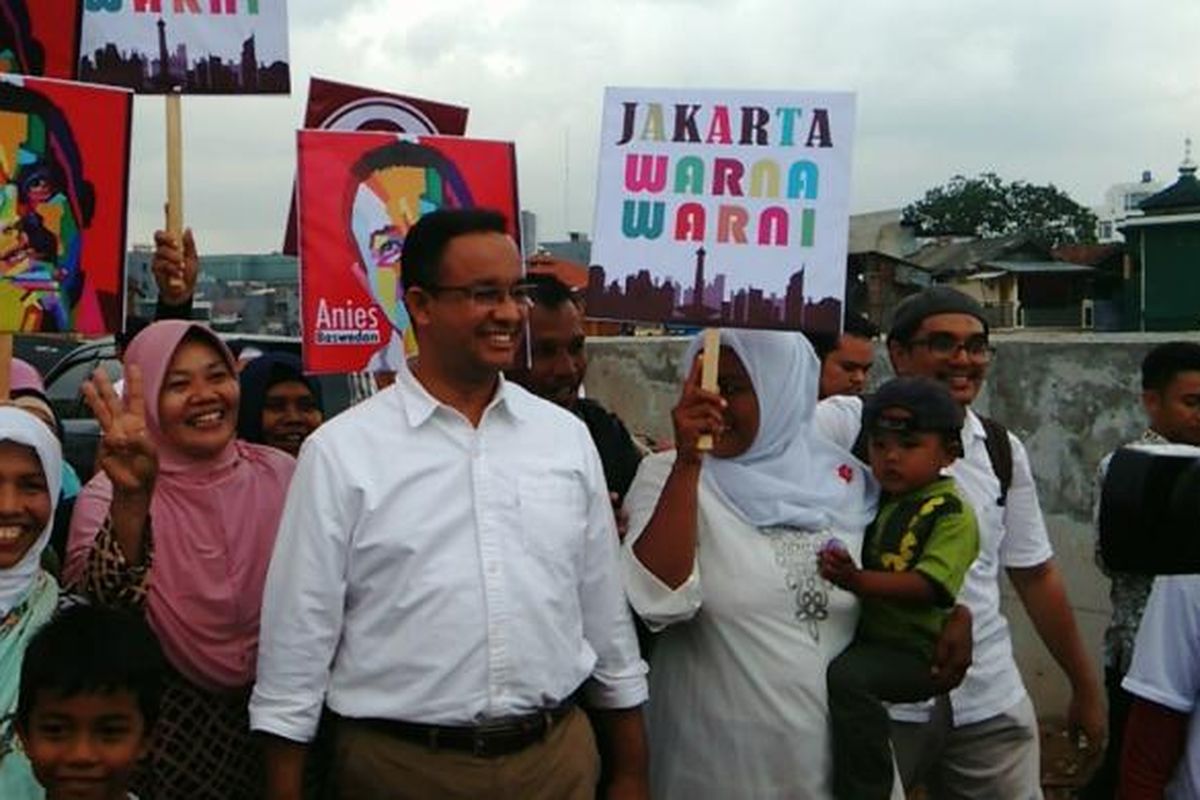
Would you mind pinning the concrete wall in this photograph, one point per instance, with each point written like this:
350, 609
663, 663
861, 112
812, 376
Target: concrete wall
1070, 397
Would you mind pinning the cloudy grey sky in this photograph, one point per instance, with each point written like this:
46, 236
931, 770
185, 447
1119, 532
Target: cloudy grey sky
1080, 93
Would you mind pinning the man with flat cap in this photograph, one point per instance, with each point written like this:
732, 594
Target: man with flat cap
981, 740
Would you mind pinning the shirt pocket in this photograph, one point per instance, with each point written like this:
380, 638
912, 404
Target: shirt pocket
552, 508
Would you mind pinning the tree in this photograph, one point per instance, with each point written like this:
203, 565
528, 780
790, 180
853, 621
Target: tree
986, 206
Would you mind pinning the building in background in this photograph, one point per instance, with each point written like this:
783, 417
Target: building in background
1121, 203
576, 248
242, 292
1163, 268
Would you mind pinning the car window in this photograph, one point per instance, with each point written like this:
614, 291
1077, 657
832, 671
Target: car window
64, 392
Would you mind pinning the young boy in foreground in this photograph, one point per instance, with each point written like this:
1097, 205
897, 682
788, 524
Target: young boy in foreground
91, 681
915, 556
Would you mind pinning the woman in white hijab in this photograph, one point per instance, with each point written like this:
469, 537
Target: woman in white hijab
722, 558
30, 474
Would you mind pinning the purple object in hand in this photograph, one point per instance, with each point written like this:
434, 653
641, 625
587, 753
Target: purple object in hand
833, 544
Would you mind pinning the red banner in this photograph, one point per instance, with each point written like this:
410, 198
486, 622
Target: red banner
336, 106
358, 195
64, 160
40, 37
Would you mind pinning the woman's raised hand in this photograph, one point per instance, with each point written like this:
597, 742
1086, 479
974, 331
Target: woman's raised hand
698, 413
126, 453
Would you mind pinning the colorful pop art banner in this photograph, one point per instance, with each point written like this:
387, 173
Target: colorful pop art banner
64, 159
723, 208
341, 107
189, 46
359, 193
40, 37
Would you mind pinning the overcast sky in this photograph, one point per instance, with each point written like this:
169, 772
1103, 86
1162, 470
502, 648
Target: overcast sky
1079, 93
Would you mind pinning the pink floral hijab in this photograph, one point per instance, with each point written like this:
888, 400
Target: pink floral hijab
212, 526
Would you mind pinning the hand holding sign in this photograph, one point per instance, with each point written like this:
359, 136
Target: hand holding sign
699, 414
175, 267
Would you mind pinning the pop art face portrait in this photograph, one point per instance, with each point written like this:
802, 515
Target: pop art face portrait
48, 205
394, 185
45, 202
40, 37
20, 52
358, 195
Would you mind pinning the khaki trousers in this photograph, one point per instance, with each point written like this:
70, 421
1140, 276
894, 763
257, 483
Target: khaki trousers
995, 759
372, 765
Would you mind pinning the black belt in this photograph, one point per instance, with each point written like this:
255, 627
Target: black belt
498, 737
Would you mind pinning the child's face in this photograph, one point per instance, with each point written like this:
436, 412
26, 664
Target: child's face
84, 747
906, 460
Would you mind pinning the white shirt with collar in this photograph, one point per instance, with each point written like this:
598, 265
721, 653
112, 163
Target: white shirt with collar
1012, 535
430, 571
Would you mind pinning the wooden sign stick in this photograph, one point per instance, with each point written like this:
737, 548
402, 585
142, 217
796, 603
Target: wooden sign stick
708, 374
6, 358
175, 175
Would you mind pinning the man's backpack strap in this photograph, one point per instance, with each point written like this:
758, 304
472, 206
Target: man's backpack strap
999, 450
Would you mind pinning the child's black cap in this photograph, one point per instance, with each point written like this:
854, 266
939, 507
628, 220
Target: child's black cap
928, 403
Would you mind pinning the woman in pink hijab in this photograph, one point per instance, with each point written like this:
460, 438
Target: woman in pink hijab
180, 521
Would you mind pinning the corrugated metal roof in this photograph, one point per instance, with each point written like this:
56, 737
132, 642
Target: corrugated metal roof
958, 257
1037, 267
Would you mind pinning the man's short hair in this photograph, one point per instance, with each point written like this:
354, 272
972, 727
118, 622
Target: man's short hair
92, 650
550, 293
855, 325
425, 243
915, 309
1164, 362
859, 326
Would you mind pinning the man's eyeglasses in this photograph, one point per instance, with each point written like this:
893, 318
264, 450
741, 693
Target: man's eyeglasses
947, 345
490, 295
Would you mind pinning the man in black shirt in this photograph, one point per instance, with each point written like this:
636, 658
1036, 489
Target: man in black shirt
558, 365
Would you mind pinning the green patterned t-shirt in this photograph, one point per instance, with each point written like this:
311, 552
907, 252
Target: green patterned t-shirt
931, 530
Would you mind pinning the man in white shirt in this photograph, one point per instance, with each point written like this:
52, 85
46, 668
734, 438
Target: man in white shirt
1161, 758
982, 739
445, 578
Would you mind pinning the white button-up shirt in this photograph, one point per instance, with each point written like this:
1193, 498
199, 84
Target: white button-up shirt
430, 571
1010, 536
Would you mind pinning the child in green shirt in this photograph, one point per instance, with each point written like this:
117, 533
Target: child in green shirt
915, 556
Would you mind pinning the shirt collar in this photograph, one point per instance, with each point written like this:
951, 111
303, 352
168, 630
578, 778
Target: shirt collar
973, 427
420, 405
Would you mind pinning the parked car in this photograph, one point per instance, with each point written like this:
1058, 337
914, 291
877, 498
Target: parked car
44, 350
81, 432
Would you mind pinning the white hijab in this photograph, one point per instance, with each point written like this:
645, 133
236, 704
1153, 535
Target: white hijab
791, 475
21, 426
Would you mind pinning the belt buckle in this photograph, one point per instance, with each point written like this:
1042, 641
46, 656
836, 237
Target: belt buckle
486, 731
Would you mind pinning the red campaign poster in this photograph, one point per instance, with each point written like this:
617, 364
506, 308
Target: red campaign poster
40, 37
359, 193
336, 106
64, 160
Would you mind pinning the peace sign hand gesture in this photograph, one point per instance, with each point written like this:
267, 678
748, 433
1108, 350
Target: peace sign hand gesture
126, 453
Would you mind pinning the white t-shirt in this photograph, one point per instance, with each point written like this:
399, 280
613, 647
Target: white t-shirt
1010, 535
1166, 667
